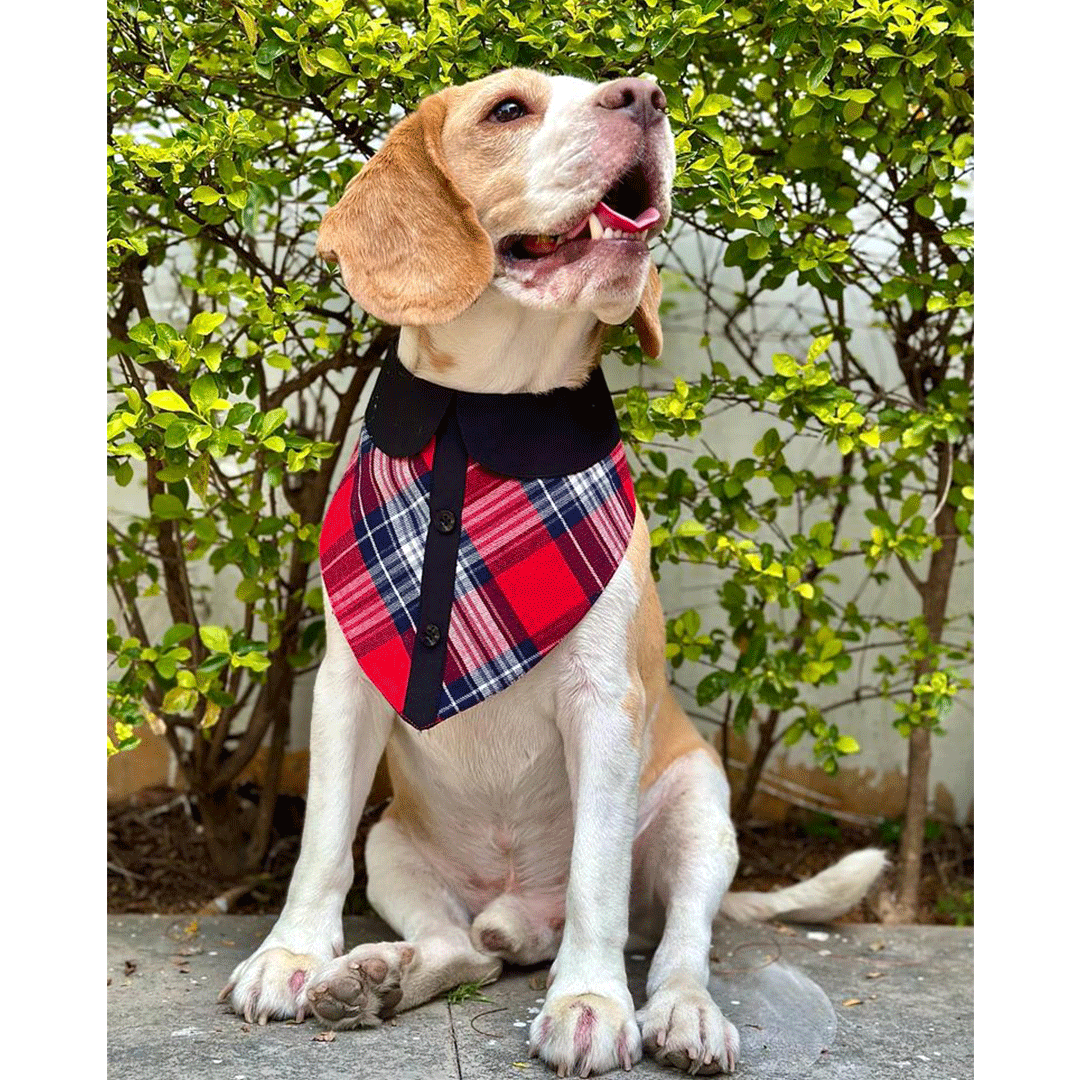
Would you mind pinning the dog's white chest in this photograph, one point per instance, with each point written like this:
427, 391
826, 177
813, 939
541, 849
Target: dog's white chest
488, 793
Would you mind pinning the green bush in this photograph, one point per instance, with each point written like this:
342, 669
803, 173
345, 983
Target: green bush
826, 145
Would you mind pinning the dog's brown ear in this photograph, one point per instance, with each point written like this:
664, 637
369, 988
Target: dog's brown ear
646, 317
409, 244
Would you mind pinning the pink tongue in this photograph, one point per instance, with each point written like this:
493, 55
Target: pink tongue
612, 220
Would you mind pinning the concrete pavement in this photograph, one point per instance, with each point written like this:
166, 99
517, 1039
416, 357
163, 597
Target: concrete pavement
826, 1003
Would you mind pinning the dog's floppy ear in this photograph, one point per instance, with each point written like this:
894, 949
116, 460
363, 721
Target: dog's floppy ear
646, 317
410, 246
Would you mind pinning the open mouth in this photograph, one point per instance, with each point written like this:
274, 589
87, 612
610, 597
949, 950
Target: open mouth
624, 213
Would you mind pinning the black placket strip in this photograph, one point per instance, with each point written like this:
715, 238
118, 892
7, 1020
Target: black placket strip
445, 503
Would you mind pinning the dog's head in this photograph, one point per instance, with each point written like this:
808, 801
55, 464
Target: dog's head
547, 189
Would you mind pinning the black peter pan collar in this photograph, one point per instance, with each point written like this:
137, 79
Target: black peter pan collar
526, 436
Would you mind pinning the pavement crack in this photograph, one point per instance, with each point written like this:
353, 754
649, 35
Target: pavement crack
453, 1039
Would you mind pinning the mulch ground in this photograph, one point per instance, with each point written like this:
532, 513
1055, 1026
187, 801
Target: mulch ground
158, 861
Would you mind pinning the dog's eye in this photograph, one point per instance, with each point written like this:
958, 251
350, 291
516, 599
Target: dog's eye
507, 110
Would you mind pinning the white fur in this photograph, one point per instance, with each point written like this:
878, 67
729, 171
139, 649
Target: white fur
820, 899
518, 833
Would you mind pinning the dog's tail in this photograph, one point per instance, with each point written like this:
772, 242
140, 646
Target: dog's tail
819, 899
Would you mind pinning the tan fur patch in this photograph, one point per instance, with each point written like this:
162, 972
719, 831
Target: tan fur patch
646, 318
594, 345
487, 159
437, 358
409, 243
671, 732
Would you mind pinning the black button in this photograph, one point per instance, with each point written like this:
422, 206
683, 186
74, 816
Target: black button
431, 635
446, 521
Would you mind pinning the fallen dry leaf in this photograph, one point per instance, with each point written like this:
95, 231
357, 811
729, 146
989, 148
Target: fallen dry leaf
130, 967
324, 1036
852, 1001
877, 946
874, 974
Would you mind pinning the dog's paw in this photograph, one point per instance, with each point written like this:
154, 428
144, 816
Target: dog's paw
683, 1027
585, 1034
362, 988
270, 985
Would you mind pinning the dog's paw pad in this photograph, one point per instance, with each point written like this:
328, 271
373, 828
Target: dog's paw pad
362, 988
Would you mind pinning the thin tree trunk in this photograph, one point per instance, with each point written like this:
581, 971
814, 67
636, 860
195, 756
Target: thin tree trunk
222, 824
765, 744
935, 599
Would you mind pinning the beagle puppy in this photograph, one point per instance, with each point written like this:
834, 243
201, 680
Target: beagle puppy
503, 226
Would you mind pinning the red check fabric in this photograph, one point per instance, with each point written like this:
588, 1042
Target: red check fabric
534, 556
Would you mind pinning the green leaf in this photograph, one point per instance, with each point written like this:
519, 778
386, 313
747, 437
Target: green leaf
249, 26
892, 93
272, 421
333, 60
168, 400
818, 72
846, 745
168, 507
713, 104
204, 392
207, 321
925, 205
177, 633
215, 638
819, 345
690, 527
757, 247
783, 484
205, 196
963, 237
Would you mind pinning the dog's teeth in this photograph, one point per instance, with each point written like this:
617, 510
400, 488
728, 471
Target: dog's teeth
607, 234
596, 230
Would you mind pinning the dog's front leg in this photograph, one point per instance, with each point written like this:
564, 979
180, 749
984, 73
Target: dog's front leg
350, 725
587, 1024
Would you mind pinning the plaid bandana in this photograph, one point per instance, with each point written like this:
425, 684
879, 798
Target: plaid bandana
456, 555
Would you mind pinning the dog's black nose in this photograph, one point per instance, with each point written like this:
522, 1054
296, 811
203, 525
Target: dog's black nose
643, 100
